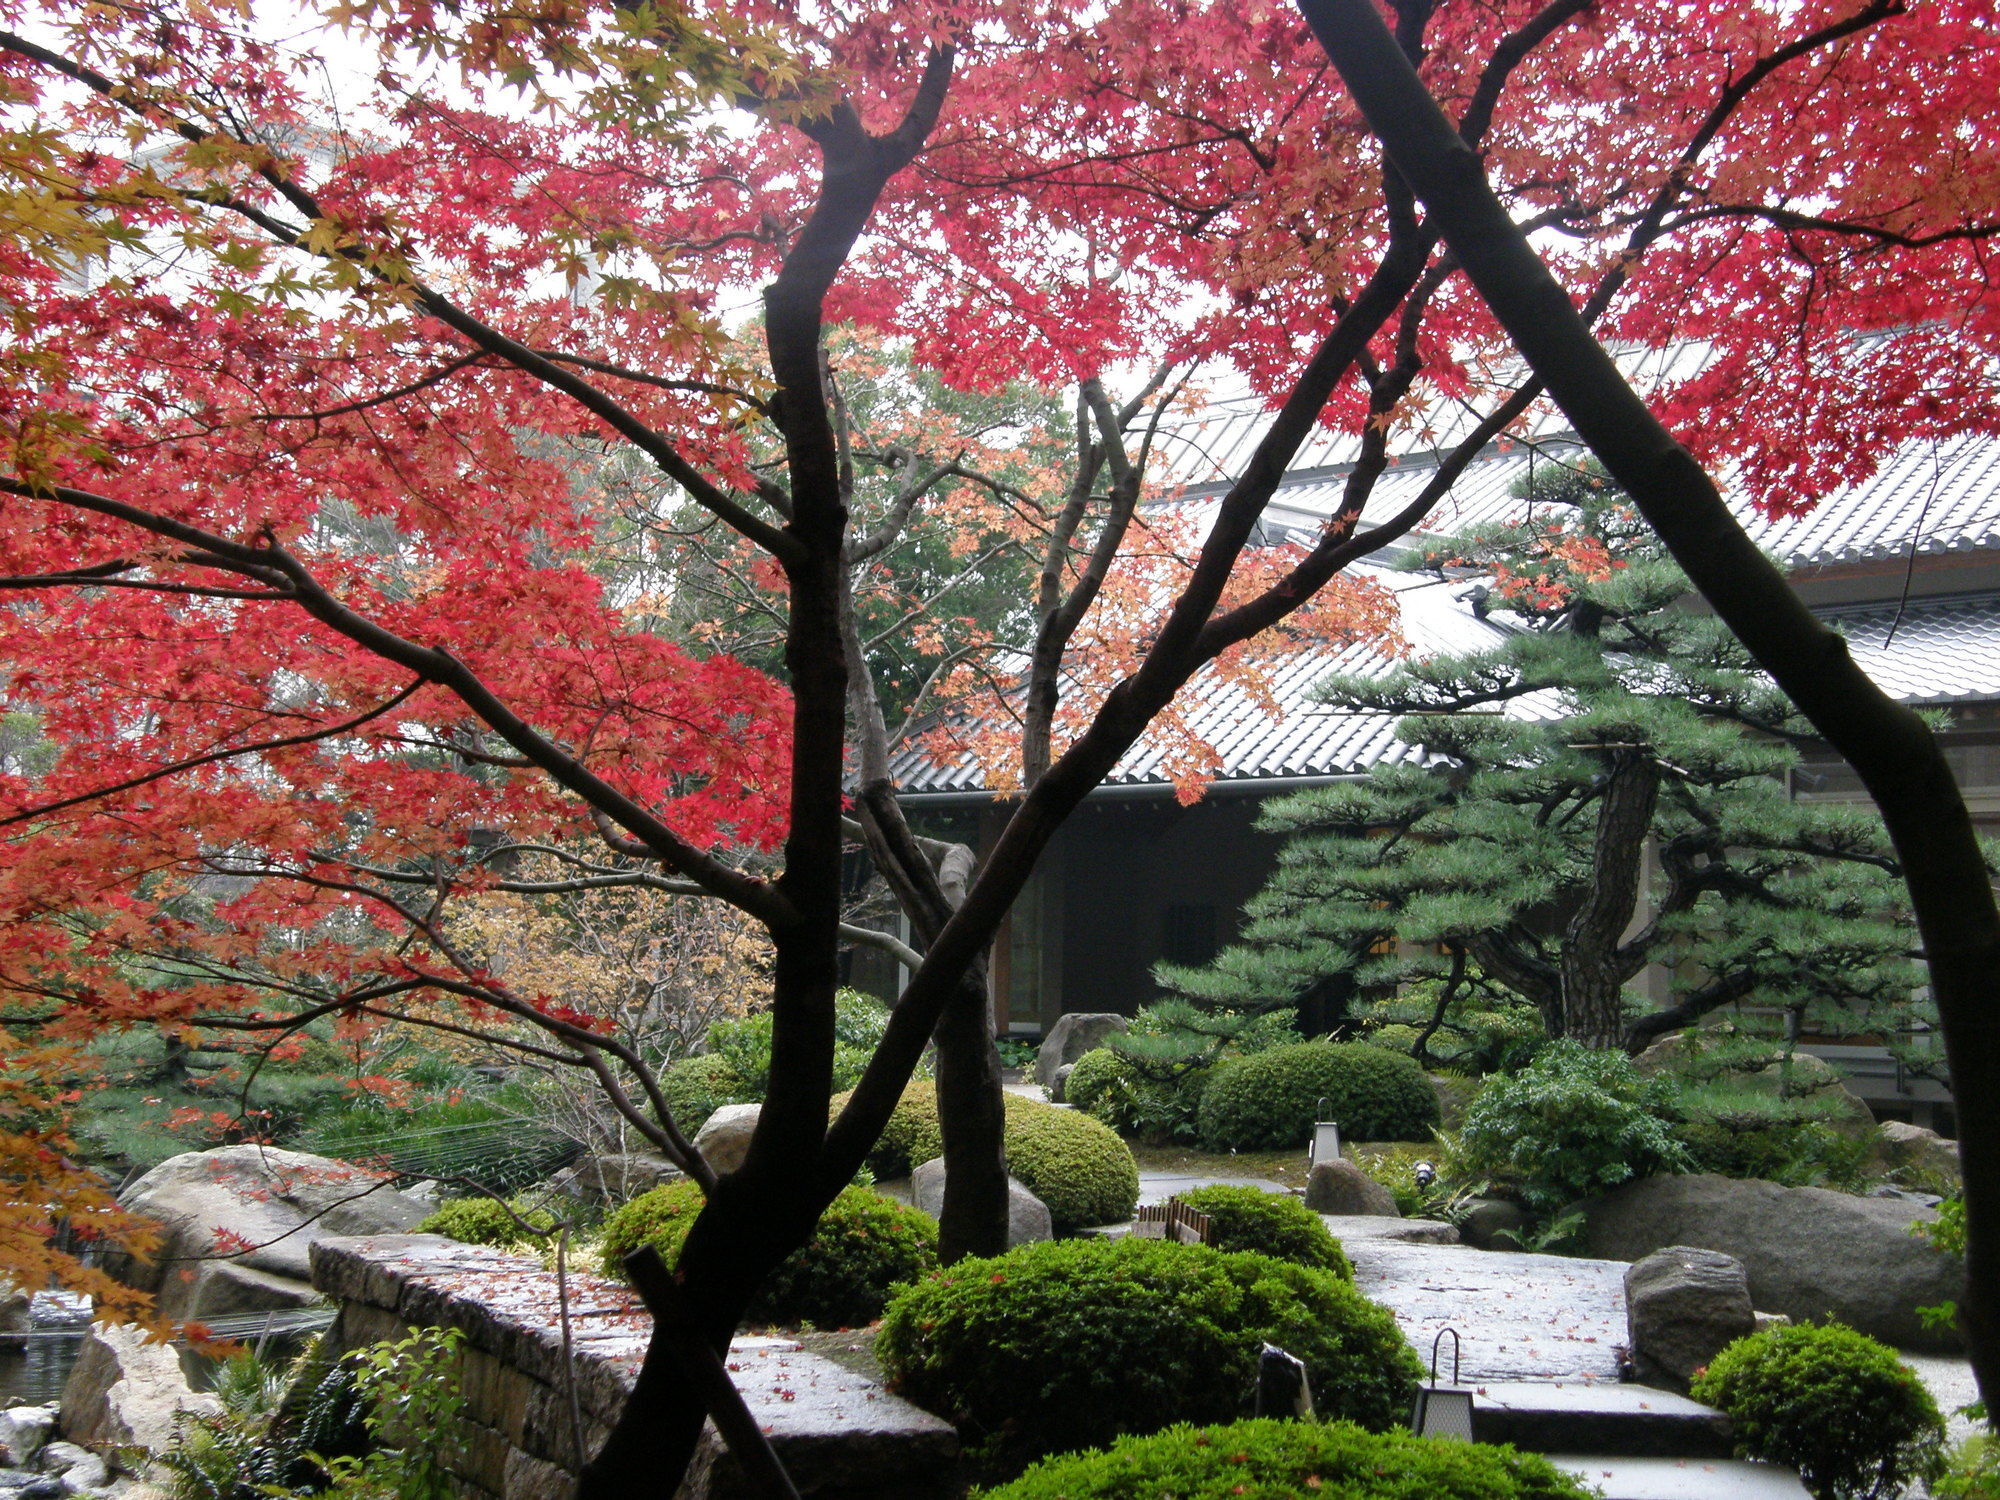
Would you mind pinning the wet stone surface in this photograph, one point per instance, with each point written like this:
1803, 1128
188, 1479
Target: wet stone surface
1520, 1317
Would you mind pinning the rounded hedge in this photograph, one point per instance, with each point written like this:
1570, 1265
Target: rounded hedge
1096, 1080
1268, 1459
487, 1221
1076, 1165
1070, 1343
1269, 1100
696, 1087
863, 1245
1248, 1218
1854, 1420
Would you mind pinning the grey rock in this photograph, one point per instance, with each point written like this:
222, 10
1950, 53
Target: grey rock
12, 1479
725, 1139
1772, 1320
1684, 1306
1028, 1220
1059, 1084
16, 1309
1071, 1037
1911, 1147
41, 1487
1493, 1224
23, 1431
1906, 1195
124, 1392
60, 1458
212, 1204
614, 1176
1340, 1187
1809, 1253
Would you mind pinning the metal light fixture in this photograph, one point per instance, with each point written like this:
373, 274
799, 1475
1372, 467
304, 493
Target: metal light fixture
1326, 1136
1443, 1411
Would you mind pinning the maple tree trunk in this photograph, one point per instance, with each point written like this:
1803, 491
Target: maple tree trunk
1892, 750
972, 1116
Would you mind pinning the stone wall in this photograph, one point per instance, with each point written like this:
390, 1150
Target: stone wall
842, 1437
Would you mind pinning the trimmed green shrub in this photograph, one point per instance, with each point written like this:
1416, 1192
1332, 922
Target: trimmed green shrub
696, 1087
1268, 1101
1248, 1218
1074, 1164
1573, 1124
1071, 1343
487, 1221
1268, 1459
1097, 1076
863, 1245
1854, 1420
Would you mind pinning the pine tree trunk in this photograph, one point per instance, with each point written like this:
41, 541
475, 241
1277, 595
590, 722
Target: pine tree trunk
1593, 974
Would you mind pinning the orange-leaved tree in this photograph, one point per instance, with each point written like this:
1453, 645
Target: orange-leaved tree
313, 395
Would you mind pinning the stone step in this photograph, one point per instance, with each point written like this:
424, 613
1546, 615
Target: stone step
1682, 1478
1624, 1421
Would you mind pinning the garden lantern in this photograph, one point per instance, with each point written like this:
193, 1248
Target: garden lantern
1443, 1411
1326, 1136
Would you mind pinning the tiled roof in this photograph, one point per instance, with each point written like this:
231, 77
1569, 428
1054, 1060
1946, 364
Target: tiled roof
1936, 651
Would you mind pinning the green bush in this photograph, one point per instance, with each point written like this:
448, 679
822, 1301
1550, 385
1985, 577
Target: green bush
1071, 1343
1570, 1126
1248, 1218
696, 1087
487, 1221
745, 1043
1268, 1101
863, 1245
1267, 1459
1110, 1088
1971, 1470
1074, 1164
1834, 1404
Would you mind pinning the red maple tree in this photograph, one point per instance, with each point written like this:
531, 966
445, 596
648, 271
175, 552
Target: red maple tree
310, 397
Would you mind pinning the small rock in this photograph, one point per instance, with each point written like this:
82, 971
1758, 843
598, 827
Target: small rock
16, 1309
614, 1177
1071, 1037
1493, 1224
1913, 1147
1771, 1320
23, 1431
56, 1458
1059, 1084
1340, 1187
41, 1487
87, 1473
1028, 1220
1685, 1306
12, 1479
725, 1139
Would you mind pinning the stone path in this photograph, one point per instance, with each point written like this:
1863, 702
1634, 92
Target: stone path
1157, 1187
1520, 1317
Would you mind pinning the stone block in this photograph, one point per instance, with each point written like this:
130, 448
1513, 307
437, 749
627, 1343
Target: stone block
725, 1138
1684, 1306
1340, 1187
1071, 1037
1028, 1220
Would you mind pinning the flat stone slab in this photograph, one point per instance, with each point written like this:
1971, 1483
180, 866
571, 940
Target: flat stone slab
1682, 1479
1520, 1317
1632, 1421
1347, 1227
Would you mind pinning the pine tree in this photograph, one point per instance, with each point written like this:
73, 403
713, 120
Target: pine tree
1604, 790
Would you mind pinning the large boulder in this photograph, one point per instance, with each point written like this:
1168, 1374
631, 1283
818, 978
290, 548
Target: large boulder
1494, 1224
1027, 1216
239, 1222
614, 1177
1911, 1147
1071, 1037
1810, 1077
1340, 1187
124, 1392
1683, 1307
725, 1139
1809, 1253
